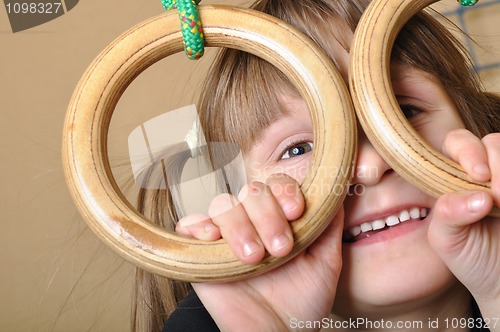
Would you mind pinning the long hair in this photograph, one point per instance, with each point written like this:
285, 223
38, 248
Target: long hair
241, 96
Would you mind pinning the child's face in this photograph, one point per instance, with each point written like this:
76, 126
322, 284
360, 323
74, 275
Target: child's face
395, 264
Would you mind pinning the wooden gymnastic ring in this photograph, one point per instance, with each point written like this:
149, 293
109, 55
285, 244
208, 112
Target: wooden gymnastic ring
86, 163
378, 110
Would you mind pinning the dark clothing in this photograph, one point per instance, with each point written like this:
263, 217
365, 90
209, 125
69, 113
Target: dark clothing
191, 316
476, 314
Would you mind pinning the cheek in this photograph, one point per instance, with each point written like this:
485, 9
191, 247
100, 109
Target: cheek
254, 171
297, 169
435, 131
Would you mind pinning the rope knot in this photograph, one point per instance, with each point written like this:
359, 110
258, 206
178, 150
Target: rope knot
192, 31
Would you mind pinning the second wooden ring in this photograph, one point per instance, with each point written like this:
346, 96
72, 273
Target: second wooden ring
378, 110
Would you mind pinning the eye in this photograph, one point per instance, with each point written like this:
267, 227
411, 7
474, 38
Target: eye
410, 110
297, 149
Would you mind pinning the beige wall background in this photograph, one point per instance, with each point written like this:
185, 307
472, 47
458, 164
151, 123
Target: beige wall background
55, 275
479, 22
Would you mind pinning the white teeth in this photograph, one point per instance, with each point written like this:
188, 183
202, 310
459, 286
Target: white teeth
355, 231
415, 213
366, 227
392, 220
404, 215
378, 224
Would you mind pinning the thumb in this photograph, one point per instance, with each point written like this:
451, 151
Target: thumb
452, 215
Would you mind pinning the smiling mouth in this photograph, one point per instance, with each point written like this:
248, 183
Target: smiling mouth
369, 228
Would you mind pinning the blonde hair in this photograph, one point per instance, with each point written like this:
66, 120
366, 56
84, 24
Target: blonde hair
242, 94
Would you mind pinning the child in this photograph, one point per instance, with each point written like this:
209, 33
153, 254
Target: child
402, 260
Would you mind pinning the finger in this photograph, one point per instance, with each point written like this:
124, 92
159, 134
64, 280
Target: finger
236, 228
199, 226
451, 216
468, 150
329, 243
287, 193
327, 248
267, 217
492, 145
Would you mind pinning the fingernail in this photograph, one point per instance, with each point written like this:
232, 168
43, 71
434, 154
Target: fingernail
250, 248
476, 202
481, 169
280, 242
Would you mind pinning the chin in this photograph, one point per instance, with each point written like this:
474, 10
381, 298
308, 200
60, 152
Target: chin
389, 275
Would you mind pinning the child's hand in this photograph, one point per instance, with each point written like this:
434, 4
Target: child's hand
302, 289
467, 240
256, 221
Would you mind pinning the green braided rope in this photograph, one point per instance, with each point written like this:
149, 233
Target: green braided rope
467, 2
192, 32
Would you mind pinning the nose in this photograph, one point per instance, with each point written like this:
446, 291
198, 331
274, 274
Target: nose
370, 168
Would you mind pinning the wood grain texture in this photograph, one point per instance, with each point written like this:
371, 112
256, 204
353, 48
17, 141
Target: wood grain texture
87, 168
378, 110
